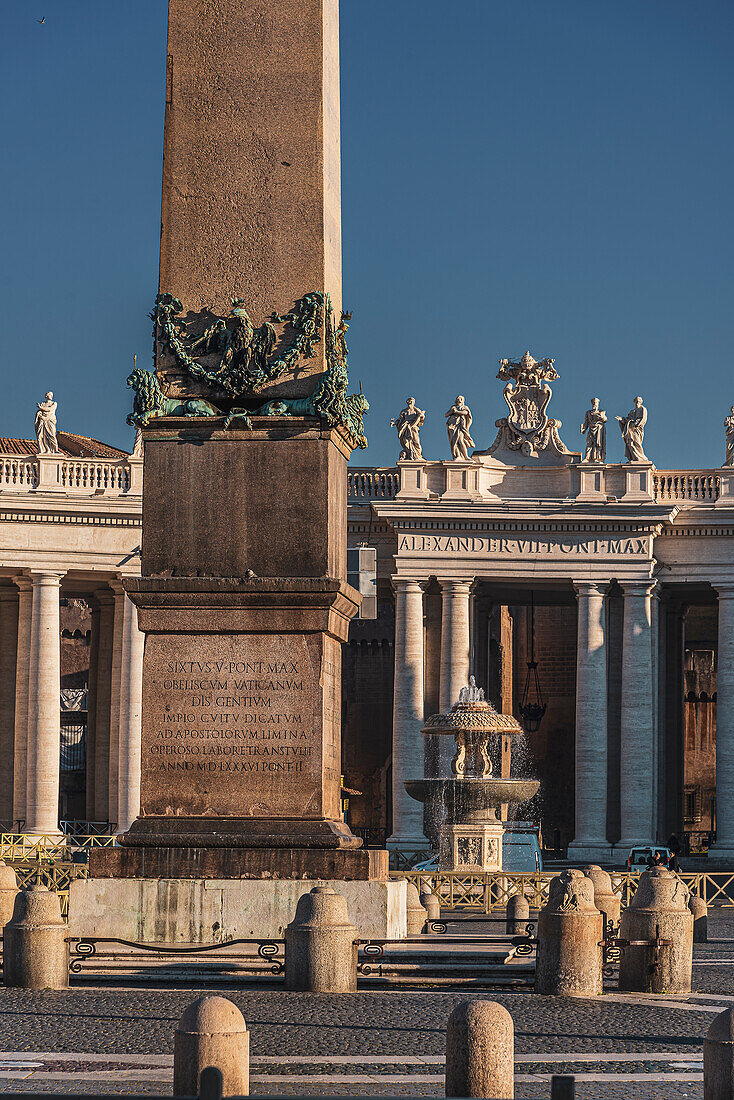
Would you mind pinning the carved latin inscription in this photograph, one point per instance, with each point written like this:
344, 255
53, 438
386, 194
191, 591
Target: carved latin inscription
235, 724
514, 546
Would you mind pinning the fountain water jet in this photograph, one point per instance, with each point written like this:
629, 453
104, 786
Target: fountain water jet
470, 839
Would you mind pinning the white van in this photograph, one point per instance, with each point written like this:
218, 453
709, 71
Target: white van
521, 848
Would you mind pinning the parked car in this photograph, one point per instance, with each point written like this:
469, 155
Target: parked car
640, 859
426, 864
521, 848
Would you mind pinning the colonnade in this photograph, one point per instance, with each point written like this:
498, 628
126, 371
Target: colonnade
641, 732
30, 688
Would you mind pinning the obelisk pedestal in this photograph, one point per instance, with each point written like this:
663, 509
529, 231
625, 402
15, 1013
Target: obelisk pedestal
243, 597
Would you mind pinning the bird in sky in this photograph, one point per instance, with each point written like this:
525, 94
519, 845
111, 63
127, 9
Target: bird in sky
41, 20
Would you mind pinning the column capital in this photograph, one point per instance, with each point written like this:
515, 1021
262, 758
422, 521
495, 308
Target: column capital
408, 584
453, 586
46, 577
724, 590
638, 588
591, 588
116, 585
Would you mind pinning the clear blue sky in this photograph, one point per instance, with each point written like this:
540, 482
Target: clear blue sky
556, 176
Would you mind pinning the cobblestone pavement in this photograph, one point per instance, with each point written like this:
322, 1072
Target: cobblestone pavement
371, 1042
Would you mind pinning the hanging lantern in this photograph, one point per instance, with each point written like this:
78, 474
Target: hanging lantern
532, 707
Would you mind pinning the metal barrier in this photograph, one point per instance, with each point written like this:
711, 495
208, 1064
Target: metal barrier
493, 889
24, 846
54, 874
85, 947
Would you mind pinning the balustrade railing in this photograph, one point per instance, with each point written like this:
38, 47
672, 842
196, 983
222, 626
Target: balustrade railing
85, 476
686, 485
372, 483
18, 473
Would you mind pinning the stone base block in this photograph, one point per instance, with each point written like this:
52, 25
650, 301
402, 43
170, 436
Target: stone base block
471, 847
596, 851
216, 910
239, 863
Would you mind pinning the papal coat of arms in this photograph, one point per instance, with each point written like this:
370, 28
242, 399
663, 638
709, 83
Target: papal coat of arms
528, 428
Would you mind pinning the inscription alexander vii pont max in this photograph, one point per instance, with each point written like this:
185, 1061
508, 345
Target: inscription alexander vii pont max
231, 716
500, 544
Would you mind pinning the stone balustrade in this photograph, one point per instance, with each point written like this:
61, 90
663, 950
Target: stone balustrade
124, 476
689, 485
18, 473
73, 476
440, 478
372, 483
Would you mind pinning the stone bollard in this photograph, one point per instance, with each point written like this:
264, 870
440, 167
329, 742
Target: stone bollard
718, 1058
320, 947
35, 948
431, 904
605, 900
480, 1051
211, 1032
518, 915
570, 929
8, 892
700, 912
660, 901
417, 915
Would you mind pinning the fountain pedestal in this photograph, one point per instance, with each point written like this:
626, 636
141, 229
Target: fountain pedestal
467, 805
471, 847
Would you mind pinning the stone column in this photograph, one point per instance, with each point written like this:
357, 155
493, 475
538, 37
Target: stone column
671, 689
590, 841
102, 716
637, 733
407, 752
724, 846
20, 750
8, 658
455, 656
131, 706
92, 708
454, 640
44, 719
116, 674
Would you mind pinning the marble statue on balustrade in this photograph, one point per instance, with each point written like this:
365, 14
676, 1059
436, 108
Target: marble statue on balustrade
632, 427
46, 425
458, 423
729, 429
594, 428
408, 425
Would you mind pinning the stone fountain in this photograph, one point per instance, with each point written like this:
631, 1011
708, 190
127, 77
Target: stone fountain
470, 835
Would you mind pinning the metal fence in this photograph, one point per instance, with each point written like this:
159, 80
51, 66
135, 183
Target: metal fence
492, 890
58, 846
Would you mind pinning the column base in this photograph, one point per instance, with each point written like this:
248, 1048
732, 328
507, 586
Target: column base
723, 853
589, 851
54, 835
624, 845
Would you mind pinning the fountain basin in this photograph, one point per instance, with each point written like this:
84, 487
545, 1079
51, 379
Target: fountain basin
468, 796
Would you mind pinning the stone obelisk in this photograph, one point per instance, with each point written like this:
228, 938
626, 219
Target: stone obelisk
243, 597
